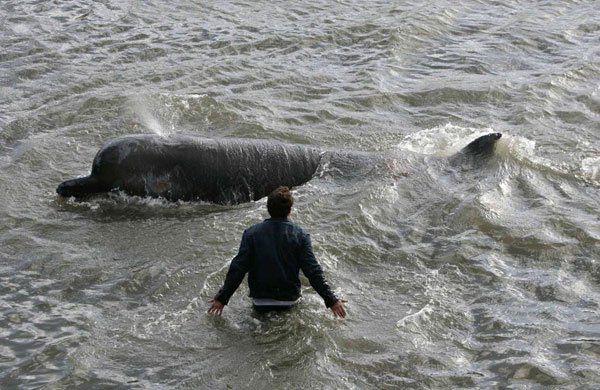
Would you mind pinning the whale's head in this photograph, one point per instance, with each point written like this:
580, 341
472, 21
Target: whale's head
78, 187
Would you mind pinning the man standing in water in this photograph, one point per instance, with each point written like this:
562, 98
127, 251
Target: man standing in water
272, 253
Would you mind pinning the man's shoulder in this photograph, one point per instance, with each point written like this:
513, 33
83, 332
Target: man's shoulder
271, 221
253, 228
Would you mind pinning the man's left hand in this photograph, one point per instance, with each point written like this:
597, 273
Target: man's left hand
216, 307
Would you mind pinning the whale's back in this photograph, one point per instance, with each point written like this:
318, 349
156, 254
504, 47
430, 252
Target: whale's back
189, 168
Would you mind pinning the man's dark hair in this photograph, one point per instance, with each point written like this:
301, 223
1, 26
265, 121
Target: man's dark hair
279, 202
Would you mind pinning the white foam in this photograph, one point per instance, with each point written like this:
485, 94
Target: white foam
590, 168
441, 140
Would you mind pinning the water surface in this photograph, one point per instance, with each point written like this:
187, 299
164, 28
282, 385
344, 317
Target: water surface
485, 278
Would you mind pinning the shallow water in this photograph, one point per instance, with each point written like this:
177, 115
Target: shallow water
481, 278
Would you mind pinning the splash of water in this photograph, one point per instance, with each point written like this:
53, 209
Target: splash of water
148, 112
441, 141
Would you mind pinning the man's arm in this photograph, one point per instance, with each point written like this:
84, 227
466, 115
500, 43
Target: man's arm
313, 271
237, 270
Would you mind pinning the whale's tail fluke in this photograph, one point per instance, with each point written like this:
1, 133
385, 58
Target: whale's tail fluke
483, 145
478, 150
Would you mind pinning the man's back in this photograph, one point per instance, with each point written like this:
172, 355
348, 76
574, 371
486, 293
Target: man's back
278, 250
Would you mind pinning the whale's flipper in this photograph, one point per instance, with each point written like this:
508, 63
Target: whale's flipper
478, 150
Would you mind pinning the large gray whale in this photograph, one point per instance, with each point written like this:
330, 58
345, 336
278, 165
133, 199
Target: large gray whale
225, 171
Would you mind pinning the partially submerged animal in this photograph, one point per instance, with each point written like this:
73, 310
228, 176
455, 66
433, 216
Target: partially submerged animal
226, 171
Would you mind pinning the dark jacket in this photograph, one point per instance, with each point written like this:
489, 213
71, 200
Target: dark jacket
272, 253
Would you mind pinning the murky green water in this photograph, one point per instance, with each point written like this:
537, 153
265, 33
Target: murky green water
486, 278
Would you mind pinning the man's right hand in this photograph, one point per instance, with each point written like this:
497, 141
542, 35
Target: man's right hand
338, 308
